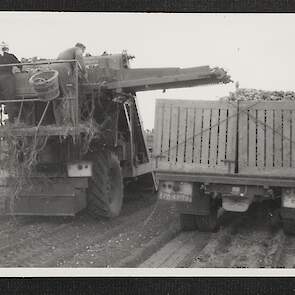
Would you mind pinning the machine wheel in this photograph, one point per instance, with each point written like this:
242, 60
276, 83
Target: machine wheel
105, 189
289, 226
208, 223
187, 222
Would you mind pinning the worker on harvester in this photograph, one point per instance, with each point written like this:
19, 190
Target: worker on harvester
63, 109
7, 81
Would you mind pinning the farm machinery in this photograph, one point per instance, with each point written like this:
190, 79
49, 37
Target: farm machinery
79, 147
226, 155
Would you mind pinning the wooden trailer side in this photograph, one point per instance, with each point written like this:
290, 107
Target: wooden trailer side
195, 136
267, 138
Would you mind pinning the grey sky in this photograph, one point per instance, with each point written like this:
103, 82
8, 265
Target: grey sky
256, 49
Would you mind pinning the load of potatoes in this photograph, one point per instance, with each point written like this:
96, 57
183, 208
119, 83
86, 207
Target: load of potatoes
256, 94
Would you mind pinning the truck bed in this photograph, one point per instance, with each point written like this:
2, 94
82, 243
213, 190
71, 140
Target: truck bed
227, 140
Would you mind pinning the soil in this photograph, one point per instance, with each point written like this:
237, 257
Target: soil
146, 234
245, 240
83, 241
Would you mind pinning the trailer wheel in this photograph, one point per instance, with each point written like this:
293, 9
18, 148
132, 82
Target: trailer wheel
289, 226
187, 222
208, 223
105, 189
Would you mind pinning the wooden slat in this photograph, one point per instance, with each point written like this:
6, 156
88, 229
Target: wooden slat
197, 136
243, 139
159, 112
198, 104
189, 135
214, 137
205, 136
269, 139
222, 136
174, 134
252, 139
278, 138
286, 138
231, 136
260, 139
166, 131
182, 135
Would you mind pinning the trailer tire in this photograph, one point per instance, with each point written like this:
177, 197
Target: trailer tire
105, 189
187, 222
209, 222
289, 226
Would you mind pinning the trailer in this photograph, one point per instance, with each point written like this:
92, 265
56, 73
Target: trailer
225, 154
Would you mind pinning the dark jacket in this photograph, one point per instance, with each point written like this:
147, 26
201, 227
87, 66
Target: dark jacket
73, 53
8, 58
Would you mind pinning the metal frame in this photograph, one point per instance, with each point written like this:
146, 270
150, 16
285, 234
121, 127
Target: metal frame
129, 123
232, 179
75, 97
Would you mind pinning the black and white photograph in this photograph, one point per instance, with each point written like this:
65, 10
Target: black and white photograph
147, 141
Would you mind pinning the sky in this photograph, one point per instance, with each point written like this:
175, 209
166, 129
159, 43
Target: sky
257, 50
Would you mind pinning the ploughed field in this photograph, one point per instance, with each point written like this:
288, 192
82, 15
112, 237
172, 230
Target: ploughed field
147, 234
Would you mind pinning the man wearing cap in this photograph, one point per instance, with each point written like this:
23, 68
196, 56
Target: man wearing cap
76, 53
7, 80
64, 108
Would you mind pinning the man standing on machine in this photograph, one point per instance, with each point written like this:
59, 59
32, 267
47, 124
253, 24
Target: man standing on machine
7, 80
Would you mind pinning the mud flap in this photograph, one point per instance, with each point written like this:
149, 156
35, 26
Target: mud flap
200, 205
64, 197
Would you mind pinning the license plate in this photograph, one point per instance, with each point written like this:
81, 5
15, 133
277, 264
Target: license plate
177, 197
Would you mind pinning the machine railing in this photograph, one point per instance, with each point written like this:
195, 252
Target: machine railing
24, 99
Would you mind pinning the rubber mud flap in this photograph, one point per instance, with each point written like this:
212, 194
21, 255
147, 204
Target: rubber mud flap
209, 222
188, 222
200, 204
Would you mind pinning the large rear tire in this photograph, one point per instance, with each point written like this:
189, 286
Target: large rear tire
105, 188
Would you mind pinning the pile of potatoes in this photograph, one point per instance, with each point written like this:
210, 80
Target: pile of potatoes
255, 94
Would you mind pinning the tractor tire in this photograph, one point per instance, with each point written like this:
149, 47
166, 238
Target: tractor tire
187, 222
105, 188
208, 223
289, 226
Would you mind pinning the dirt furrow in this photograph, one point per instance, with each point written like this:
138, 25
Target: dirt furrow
244, 241
49, 249
19, 232
177, 251
131, 243
286, 258
252, 244
16, 250
186, 245
6, 222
